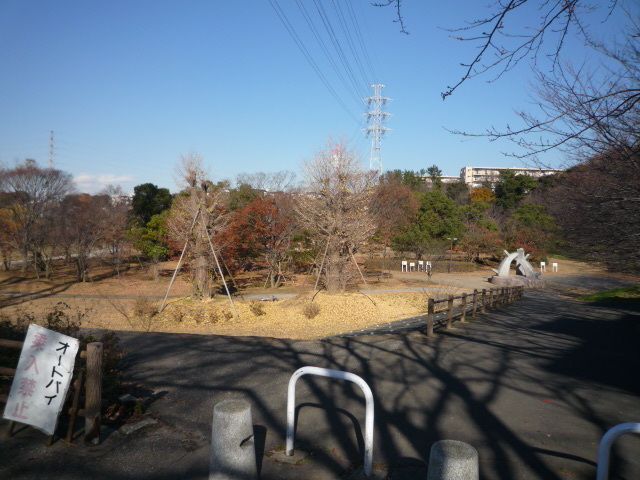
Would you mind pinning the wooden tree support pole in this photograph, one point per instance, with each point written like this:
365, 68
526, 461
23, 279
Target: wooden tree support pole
93, 393
431, 309
184, 249
215, 257
359, 271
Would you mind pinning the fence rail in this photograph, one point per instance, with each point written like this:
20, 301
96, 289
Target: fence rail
481, 299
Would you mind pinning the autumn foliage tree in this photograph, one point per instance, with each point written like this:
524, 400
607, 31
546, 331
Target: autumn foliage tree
393, 206
262, 231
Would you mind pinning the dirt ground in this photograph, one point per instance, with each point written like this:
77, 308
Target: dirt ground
130, 302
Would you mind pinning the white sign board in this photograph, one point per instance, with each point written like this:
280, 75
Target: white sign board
42, 378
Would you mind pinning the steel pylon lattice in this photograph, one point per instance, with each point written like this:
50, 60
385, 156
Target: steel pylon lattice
376, 118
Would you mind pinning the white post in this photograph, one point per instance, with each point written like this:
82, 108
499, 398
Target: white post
554, 267
233, 454
325, 372
453, 460
602, 471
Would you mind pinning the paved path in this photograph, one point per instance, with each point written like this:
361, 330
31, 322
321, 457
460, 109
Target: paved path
532, 386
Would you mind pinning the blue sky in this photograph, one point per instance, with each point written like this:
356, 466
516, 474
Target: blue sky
129, 87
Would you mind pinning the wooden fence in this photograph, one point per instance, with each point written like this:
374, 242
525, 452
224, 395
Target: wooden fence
469, 304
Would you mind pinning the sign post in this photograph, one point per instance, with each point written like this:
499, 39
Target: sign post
42, 378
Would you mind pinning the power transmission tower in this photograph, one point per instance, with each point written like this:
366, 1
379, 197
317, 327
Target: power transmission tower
51, 151
376, 117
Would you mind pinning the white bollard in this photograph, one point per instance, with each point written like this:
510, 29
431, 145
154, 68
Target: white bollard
554, 267
453, 460
233, 452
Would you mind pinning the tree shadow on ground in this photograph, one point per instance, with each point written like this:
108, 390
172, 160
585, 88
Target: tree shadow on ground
512, 383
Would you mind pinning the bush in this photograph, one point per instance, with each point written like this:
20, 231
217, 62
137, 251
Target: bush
257, 308
143, 311
311, 310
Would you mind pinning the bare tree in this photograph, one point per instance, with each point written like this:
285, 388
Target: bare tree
117, 208
29, 193
197, 215
596, 204
517, 30
272, 182
335, 208
81, 223
583, 111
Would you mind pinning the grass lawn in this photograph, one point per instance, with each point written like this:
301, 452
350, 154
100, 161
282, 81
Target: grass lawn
622, 295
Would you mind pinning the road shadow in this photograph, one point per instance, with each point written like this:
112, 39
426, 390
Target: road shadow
512, 383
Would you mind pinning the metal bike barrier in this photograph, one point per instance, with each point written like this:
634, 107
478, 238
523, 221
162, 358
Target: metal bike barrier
325, 372
602, 471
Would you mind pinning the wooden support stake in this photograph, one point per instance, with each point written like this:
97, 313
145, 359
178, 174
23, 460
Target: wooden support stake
449, 312
93, 393
431, 309
463, 308
74, 406
483, 308
491, 298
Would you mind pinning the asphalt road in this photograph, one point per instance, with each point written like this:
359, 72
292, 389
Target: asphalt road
533, 386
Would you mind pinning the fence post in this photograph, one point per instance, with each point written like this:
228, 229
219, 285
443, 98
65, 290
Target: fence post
475, 303
491, 297
484, 301
449, 312
431, 309
93, 394
463, 308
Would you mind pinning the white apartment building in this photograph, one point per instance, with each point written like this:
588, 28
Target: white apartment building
477, 176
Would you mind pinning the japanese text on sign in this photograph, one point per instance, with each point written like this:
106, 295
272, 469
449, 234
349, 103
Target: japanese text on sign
42, 378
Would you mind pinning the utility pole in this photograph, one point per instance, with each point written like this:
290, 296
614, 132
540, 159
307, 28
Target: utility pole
376, 117
51, 151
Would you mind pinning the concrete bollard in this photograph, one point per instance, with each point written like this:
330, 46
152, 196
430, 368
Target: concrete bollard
233, 452
453, 460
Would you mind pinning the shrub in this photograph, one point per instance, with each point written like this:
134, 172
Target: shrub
143, 311
311, 310
257, 308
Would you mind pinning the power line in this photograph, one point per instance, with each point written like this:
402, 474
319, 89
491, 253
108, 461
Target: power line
307, 55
